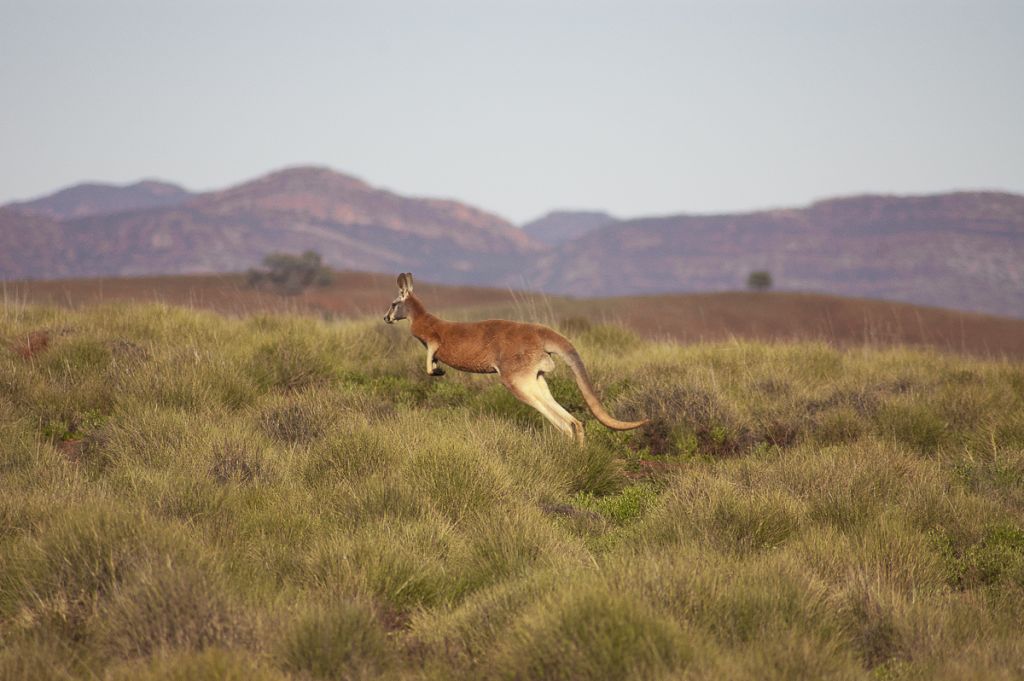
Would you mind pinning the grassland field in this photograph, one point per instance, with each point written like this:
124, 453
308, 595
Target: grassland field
684, 317
185, 495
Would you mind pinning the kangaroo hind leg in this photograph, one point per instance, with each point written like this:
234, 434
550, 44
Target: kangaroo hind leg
553, 405
528, 389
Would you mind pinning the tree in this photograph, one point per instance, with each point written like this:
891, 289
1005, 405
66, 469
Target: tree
289, 274
759, 281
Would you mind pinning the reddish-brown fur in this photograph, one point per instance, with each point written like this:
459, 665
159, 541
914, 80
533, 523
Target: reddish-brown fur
519, 353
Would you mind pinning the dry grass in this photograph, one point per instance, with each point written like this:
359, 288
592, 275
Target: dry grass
187, 495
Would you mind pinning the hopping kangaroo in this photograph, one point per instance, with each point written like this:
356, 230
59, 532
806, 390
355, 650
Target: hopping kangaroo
519, 353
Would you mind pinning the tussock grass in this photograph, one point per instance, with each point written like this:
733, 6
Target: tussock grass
191, 496
344, 639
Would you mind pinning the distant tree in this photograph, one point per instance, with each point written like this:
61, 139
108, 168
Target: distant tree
759, 281
289, 274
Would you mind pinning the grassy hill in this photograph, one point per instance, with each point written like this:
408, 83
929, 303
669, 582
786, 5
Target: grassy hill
187, 495
688, 318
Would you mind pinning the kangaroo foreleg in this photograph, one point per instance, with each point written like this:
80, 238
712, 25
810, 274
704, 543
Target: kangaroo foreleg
432, 367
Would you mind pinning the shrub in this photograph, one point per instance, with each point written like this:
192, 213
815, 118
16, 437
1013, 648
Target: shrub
290, 274
759, 280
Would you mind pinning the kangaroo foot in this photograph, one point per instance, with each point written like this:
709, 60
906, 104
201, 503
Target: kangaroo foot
577, 433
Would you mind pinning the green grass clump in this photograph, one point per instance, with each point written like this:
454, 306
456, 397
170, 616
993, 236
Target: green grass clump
628, 505
186, 495
996, 556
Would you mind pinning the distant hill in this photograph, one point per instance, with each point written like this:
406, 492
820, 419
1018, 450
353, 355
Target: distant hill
349, 222
681, 317
961, 250
84, 200
37, 238
565, 225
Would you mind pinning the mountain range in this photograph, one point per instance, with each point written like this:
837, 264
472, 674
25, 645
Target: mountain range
560, 226
961, 250
352, 225
93, 198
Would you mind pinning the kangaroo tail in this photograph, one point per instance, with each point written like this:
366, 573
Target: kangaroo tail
564, 349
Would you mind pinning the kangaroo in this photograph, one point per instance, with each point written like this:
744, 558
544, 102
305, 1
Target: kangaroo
519, 353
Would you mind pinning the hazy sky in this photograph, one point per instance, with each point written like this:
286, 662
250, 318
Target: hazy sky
520, 107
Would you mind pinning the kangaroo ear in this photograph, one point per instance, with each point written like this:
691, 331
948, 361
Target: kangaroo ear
404, 284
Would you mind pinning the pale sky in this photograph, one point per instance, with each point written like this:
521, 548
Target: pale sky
635, 107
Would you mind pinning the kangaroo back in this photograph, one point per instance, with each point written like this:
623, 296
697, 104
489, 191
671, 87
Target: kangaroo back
564, 349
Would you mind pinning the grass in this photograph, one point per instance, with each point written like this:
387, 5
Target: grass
684, 317
192, 496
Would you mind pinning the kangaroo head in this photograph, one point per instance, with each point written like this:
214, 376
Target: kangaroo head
397, 310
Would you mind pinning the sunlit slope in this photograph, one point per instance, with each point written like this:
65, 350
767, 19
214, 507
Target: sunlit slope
191, 496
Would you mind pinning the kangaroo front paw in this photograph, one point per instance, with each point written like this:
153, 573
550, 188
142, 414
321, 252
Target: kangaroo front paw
436, 371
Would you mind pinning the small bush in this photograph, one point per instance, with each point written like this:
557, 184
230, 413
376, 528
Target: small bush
759, 281
290, 274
